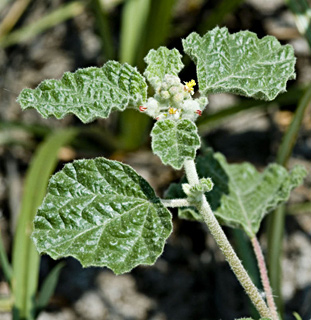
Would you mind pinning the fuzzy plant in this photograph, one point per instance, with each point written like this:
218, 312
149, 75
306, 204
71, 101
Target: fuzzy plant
105, 214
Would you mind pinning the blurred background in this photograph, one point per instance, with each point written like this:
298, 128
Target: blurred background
191, 280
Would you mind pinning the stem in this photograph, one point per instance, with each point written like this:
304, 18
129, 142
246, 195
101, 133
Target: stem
225, 246
264, 277
174, 203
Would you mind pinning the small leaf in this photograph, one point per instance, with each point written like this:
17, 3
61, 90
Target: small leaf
161, 62
240, 63
104, 214
175, 141
88, 93
241, 196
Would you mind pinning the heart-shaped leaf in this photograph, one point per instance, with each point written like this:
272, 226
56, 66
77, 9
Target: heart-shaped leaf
240, 63
175, 141
161, 62
88, 93
104, 214
241, 196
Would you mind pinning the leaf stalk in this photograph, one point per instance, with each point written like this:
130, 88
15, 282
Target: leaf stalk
175, 203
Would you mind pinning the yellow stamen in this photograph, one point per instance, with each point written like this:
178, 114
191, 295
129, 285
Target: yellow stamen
189, 86
172, 111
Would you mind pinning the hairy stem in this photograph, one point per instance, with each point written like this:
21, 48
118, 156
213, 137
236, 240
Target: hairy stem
225, 246
175, 203
264, 277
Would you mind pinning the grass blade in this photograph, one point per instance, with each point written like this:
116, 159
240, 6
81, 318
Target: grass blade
63, 13
12, 17
48, 287
25, 257
302, 14
4, 261
104, 30
158, 30
218, 14
134, 20
276, 220
209, 121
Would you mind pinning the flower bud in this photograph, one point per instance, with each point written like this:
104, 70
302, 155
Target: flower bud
177, 98
165, 95
152, 107
174, 90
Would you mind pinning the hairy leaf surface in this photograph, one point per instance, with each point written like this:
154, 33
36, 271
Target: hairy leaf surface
104, 214
175, 141
240, 63
161, 62
241, 196
88, 93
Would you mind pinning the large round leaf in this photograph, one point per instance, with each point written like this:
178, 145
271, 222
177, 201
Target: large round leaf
104, 214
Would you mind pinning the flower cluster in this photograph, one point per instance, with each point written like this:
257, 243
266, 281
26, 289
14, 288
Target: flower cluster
173, 100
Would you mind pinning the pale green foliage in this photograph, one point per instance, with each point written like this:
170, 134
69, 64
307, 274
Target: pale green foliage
88, 93
194, 193
161, 62
242, 196
104, 214
175, 141
240, 63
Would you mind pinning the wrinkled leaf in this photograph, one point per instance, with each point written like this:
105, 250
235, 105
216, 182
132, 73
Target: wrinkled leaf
104, 214
88, 93
175, 141
241, 196
240, 63
161, 62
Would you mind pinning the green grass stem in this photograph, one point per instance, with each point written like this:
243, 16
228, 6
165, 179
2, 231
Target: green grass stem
302, 14
134, 21
218, 14
26, 260
59, 15
104, 30
209, 121
4, 261
276, 220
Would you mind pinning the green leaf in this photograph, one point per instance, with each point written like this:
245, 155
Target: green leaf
88, 93
175, 141
241, 196
104, 214
161, 62
48, 287
240, 63
25, 260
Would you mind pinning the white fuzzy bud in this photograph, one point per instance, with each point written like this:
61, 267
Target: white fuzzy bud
174, 90
178, 98
165, 95
190, 106
171, 80
153, 107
